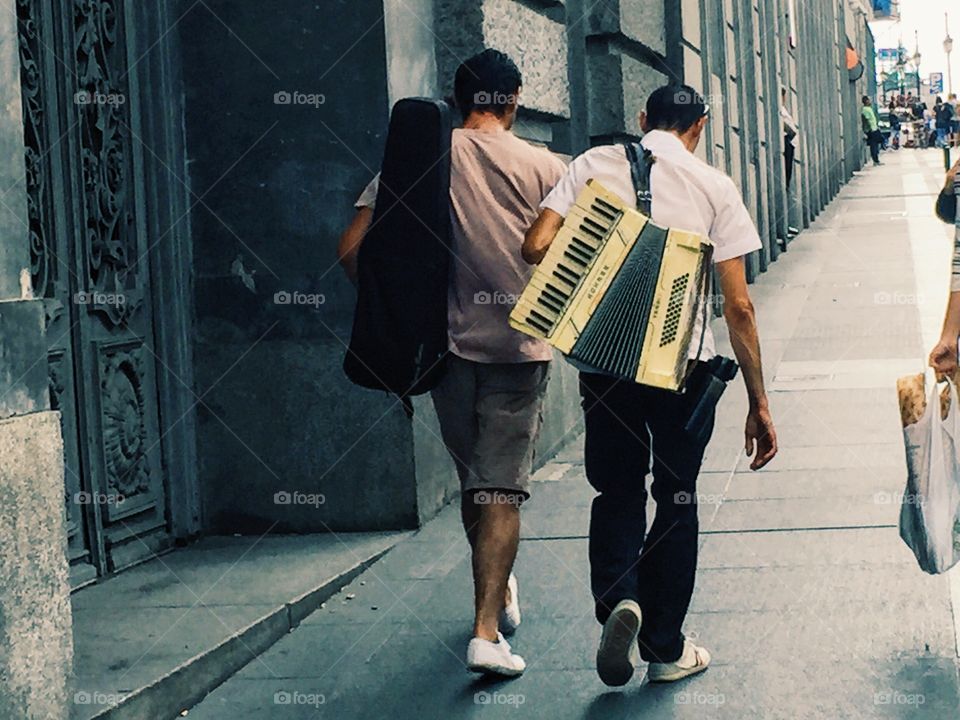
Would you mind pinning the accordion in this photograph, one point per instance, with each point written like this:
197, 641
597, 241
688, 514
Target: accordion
617, 292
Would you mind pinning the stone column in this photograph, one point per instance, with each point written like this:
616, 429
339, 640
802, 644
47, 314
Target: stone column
35, 623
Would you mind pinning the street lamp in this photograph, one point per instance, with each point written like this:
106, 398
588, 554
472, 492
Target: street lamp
901, 66
916, 61
948, 48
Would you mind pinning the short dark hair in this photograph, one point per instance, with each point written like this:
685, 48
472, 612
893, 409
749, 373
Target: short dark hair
866, 99
674, 107
489, 81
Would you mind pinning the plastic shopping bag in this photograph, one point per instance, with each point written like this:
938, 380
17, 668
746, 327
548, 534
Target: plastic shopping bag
930, 512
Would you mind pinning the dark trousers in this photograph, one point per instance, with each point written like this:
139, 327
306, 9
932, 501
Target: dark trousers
875, 140
627, 425
789, 151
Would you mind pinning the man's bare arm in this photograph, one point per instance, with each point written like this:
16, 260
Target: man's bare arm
760, 436
351, 239
541, 235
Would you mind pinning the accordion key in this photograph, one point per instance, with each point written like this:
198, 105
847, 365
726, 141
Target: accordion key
617, 292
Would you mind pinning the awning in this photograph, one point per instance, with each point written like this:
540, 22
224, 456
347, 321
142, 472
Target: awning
854, 65
853, 57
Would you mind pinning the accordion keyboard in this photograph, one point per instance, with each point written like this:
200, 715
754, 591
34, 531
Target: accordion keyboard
584, 236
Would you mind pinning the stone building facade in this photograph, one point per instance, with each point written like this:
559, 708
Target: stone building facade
173, 170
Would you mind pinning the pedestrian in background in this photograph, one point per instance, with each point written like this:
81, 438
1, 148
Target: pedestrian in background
943, 114
894, 127
955, 122
871, 129
790, 132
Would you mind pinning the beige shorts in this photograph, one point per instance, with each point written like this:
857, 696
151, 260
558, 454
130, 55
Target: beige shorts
490, 417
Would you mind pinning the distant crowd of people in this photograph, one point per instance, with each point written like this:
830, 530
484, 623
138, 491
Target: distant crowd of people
939, 125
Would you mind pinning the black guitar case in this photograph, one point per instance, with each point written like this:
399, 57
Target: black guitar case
399, 338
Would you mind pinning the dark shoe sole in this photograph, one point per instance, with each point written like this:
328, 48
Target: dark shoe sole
615, 656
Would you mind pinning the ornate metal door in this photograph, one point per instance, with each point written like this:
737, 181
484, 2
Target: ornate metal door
90, 255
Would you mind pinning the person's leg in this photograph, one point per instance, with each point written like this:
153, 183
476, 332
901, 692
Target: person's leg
498, 535
455, 400
509, 414
617, 459
788, 156
669, 561
874, 148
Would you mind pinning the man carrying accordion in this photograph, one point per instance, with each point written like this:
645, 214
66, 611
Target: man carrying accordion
609, 263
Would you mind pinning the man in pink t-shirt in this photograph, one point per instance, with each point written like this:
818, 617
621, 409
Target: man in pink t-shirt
490, 400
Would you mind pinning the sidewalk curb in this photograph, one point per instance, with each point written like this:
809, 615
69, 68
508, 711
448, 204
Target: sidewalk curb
186, 685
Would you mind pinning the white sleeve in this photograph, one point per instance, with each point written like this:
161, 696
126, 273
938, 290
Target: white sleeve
733, 232
368, 198
567, 190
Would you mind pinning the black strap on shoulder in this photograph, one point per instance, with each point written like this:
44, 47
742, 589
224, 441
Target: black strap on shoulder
641, 163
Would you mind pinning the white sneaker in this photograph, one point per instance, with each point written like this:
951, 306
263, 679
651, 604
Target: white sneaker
510, 617
694, 660
493, 658
618, 654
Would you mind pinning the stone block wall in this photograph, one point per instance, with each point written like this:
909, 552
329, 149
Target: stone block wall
36, 643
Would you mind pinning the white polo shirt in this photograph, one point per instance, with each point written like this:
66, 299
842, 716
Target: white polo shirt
687, 194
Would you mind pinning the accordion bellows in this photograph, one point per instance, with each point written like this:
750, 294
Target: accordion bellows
617, 292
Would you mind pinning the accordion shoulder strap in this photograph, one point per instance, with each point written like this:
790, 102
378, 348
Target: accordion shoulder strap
641, 162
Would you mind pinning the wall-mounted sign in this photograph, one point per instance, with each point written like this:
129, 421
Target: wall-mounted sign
886, 9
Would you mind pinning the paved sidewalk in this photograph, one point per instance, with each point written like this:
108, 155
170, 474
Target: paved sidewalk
167, 631
807, 598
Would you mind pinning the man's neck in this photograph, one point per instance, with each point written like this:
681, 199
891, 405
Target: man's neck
485, 121
688, 139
